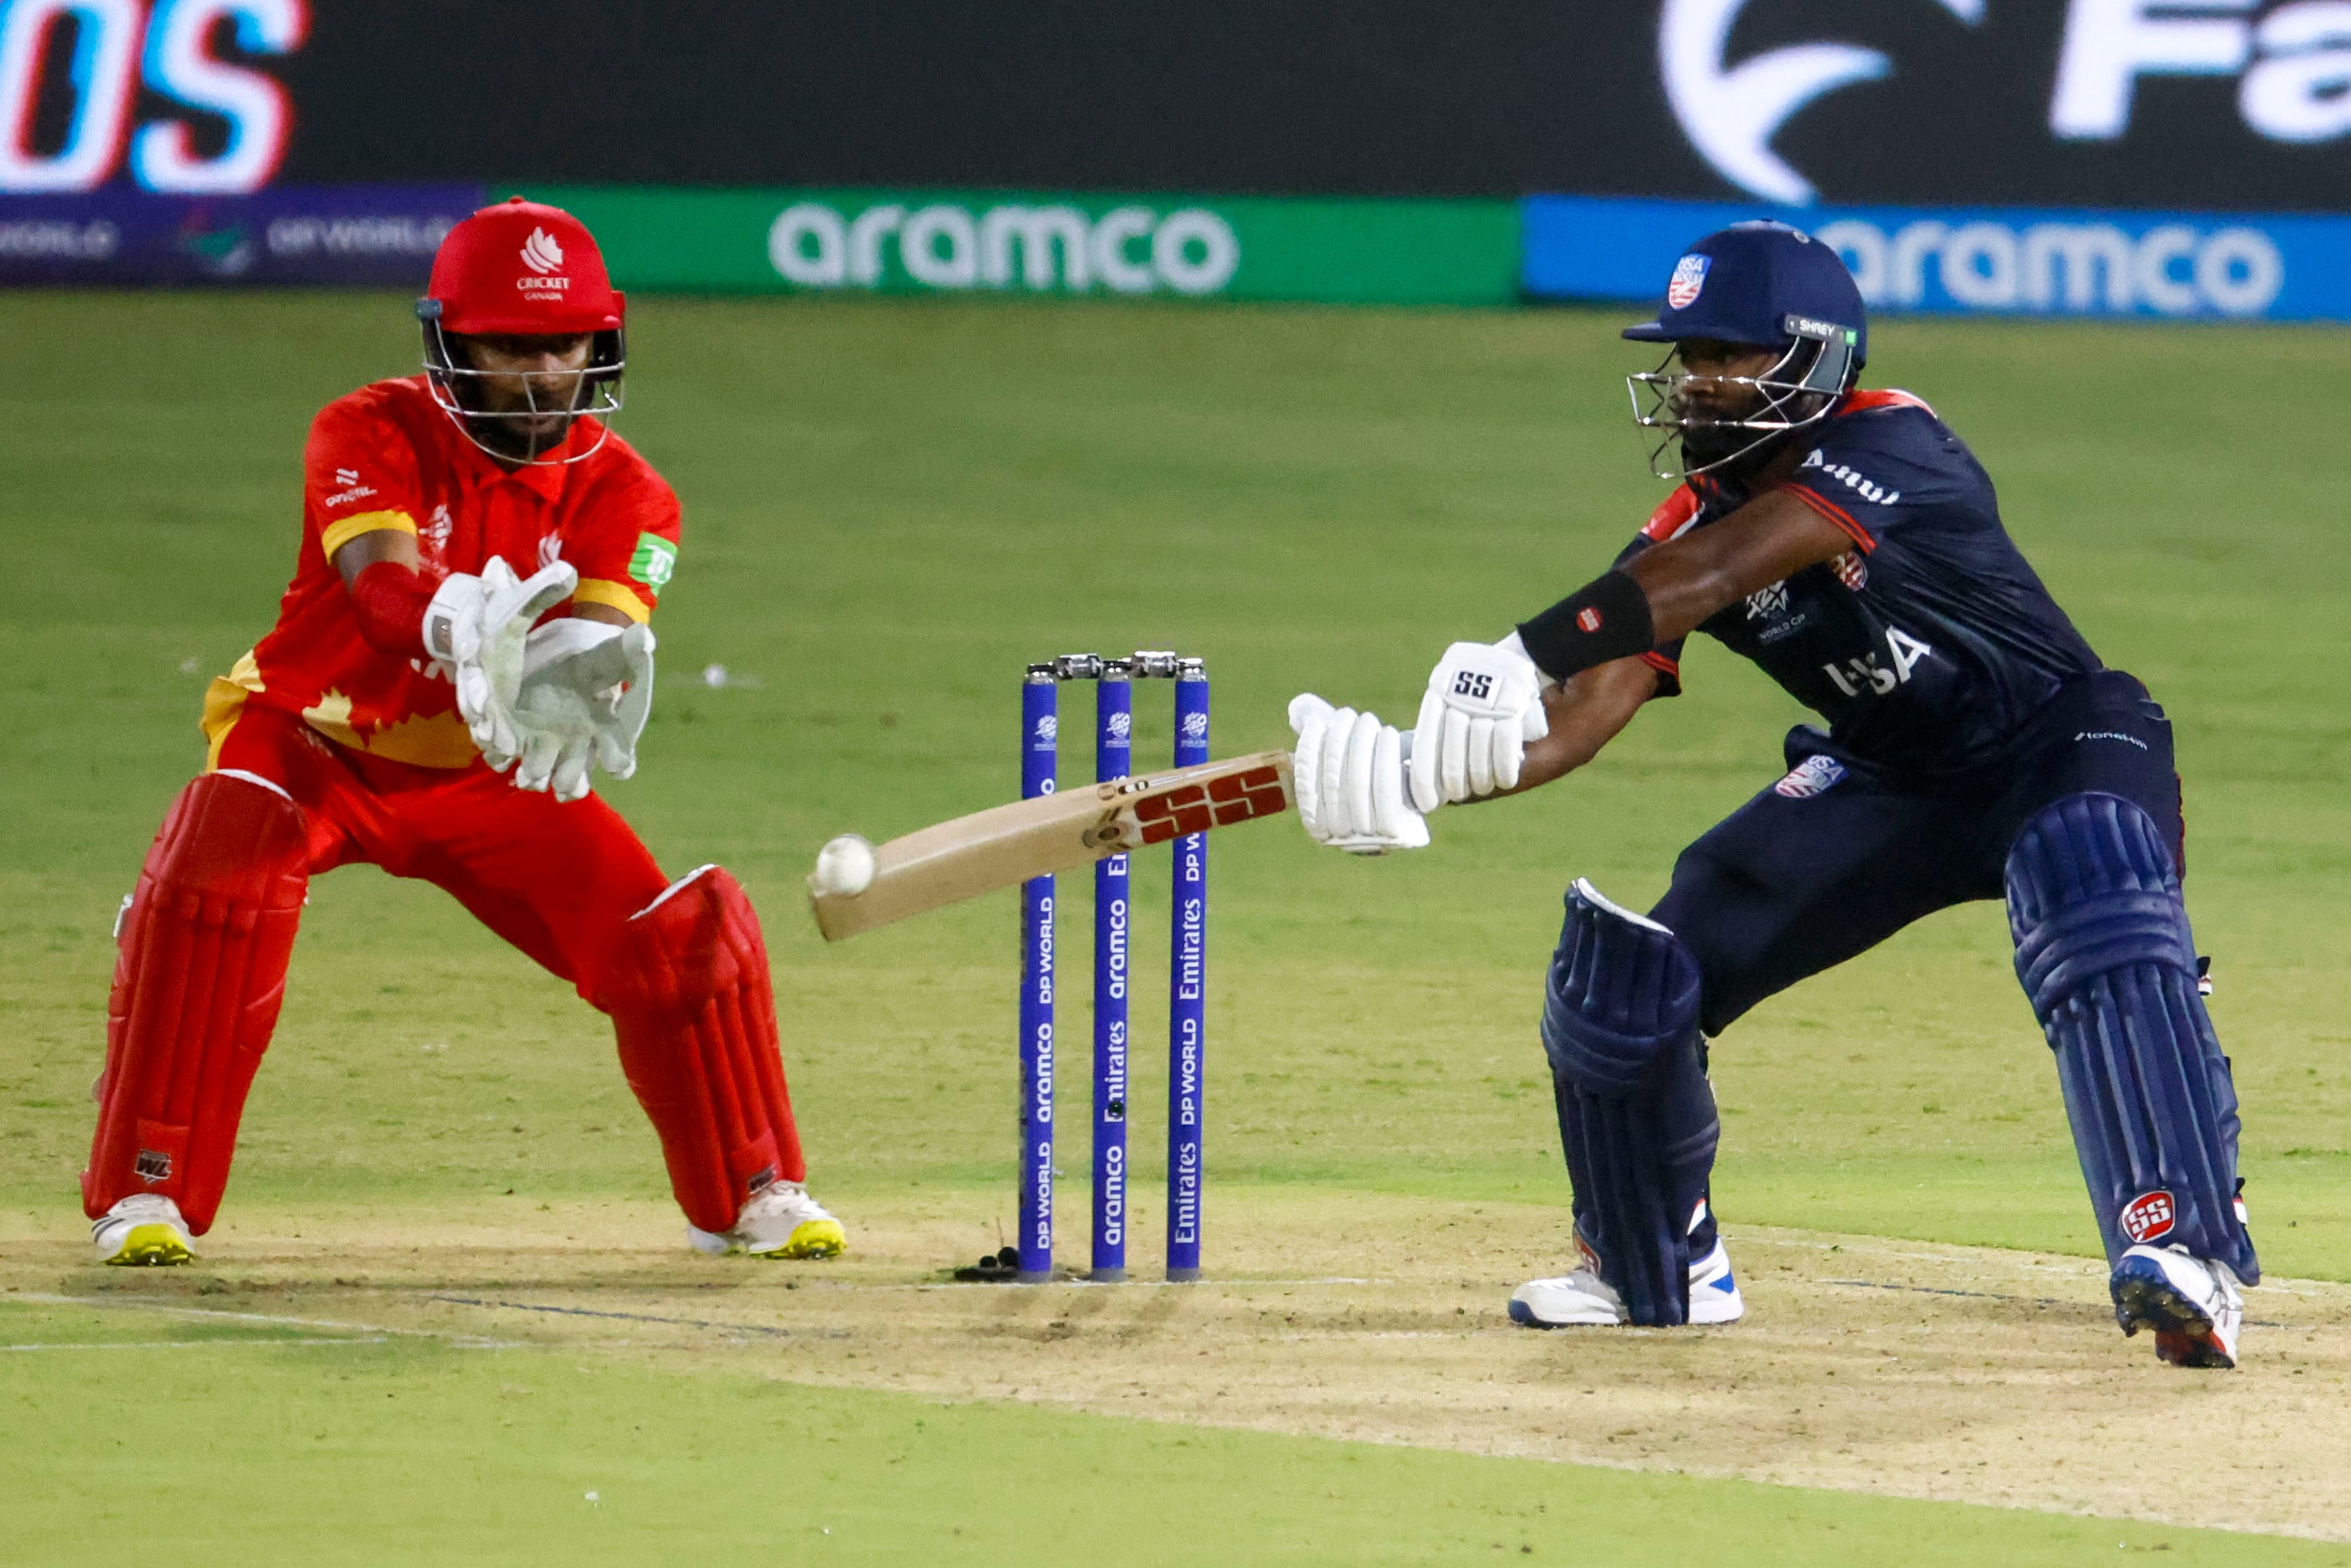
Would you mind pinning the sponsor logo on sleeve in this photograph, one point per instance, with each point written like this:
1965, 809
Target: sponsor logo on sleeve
1688, 279
1587, 620
2148, 1217
655, 560
1852, 479
1814, 775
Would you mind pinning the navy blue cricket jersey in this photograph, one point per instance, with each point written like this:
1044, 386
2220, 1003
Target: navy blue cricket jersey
1930, 643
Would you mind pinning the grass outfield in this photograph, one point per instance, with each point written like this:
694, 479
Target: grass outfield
890, 508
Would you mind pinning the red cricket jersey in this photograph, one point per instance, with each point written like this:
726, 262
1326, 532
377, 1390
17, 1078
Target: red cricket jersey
387, 456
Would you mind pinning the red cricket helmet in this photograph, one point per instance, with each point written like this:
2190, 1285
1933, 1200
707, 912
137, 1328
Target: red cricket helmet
522, 268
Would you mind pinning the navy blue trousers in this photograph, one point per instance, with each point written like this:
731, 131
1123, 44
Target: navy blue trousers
1842, 854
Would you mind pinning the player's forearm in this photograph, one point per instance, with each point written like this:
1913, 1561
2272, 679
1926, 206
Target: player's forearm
1585, 712
1667, 592
1683, 595
1689, 580
390, 600
389, 595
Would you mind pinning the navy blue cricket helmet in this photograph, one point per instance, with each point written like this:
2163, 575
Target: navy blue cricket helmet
1771, 286
1762, 282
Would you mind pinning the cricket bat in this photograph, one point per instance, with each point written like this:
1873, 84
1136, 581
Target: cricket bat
1008, 844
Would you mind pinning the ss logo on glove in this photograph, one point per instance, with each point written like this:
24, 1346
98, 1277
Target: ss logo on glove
1483, 704
1472, 683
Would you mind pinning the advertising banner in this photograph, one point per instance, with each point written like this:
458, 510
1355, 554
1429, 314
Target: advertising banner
2173, 105
2166, 104
1104, 246
1975, 260
379, 236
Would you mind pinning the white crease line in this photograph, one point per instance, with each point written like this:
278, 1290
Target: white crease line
473, 1341
201, 1344
1344, 1336
2078, 1267
1971, 1255
1094, 1284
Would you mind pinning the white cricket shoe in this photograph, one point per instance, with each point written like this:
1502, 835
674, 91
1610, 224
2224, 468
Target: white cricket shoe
780, 1220
143, 1230
2192, 1304
1584, 1298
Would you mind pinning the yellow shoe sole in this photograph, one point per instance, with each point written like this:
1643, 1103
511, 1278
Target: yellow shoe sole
159, 1245
812, 1238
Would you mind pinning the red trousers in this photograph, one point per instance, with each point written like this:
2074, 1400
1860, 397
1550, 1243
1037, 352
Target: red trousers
557, 880
681, 968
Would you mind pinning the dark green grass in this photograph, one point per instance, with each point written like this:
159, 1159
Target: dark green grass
224, 1449
892, 507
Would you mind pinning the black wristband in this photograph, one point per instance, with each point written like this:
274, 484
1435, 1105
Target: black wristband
1605, 619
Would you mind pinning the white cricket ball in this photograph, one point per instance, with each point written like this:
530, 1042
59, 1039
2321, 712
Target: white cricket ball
845, 866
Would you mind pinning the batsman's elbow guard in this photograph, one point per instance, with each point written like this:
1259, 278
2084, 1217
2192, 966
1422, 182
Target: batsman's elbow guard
2105, 955
694, 1013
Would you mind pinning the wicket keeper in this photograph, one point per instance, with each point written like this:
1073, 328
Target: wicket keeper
425, 706
1850, 545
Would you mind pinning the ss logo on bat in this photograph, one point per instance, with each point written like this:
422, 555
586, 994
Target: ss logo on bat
1195, 808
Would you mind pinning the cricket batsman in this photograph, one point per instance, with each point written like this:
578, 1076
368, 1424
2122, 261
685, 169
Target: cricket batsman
1848, 544
463, 638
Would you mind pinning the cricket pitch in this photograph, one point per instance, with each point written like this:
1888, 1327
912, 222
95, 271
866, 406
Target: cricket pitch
1902, 1368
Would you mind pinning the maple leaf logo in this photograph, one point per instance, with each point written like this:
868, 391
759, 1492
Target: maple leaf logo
540, 253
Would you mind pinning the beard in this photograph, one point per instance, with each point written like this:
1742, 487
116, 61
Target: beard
514, 440
1706, 446
1742, 451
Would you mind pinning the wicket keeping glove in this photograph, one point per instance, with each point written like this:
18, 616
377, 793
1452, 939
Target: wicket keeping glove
475, 629
1350, 775
587, 689
1484, 704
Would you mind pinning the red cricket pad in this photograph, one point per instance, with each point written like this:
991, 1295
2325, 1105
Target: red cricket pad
197, 983
391, 599
524, 268
694, 1013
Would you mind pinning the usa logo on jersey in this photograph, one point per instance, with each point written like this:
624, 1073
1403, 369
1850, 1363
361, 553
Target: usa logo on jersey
1690, 276
1812, 776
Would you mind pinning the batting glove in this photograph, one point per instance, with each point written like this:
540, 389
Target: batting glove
1349, 770
1484, 704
